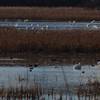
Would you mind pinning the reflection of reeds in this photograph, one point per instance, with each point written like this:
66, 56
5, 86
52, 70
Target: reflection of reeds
20, 92
12, 40
32, 93
36, 91
46, 13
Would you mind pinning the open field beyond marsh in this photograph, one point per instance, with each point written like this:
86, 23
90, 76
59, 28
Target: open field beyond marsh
13, 40
46, 13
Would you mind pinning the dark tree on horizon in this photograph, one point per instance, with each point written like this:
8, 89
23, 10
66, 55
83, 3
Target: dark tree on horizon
84, 3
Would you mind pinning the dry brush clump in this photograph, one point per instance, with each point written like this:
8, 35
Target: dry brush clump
89, 90
20, 93
13, 40
52, 13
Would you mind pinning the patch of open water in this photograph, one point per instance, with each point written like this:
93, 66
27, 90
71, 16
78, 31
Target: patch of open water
62, 79
48, 76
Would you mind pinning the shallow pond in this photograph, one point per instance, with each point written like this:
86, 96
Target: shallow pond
48, 76
51, 25
56, 82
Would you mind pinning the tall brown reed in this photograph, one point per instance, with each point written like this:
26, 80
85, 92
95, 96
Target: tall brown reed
13, 40
46, 13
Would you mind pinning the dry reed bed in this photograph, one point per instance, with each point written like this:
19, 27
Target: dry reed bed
48, 40
20, 93
90, 90
46, 13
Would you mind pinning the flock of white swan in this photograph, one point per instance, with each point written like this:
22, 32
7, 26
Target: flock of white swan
93, 25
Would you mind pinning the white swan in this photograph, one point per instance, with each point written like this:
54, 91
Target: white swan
90, 23
37, 25
46, 27
74, 22
16, 25
95, 27
97, 65
77, 66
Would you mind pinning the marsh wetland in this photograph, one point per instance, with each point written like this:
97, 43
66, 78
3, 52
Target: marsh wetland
49, 53
50, 77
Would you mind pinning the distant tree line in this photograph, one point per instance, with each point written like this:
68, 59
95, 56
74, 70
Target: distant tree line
84, 3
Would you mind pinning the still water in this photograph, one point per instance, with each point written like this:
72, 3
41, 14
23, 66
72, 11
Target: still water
57, 82
48, 76
51, 25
